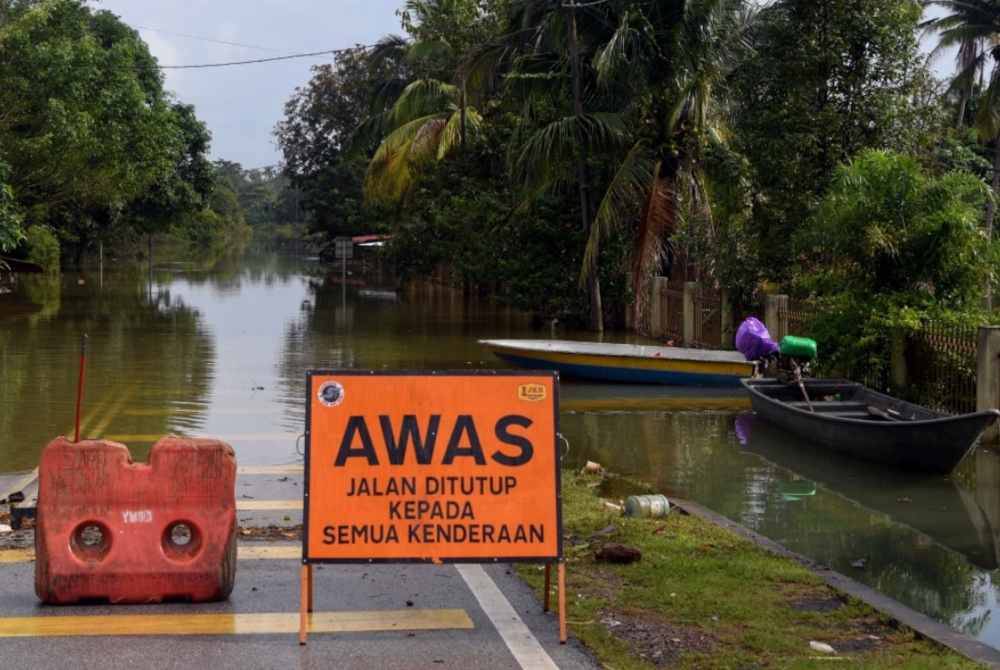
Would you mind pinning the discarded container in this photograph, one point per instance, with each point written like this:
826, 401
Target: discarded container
113, 530
653, 506
592, 468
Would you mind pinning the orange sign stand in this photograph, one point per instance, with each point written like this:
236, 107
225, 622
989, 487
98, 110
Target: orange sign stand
439, 467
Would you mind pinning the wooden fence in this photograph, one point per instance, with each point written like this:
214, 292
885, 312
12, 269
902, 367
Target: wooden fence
937, 366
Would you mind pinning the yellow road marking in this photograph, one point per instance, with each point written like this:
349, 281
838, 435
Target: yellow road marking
291, 469
233, 624
112, 412
17, 555
245, 552
268, 552
262, 505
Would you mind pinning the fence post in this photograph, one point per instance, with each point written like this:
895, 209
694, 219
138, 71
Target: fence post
988, 376
657, 308
726, 319
776, 315
690, 299
898, 376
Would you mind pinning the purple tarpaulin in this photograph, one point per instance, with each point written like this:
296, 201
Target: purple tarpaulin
753, 340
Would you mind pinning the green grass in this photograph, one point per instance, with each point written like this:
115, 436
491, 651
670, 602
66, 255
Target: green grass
704, 597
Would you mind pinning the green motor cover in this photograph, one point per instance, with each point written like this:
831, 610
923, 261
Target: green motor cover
802, 348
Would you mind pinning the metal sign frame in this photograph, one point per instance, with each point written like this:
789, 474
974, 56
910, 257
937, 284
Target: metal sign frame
306, 560
306, 594
343, 248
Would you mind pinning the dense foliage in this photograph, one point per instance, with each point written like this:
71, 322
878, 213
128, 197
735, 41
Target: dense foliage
889, 248
562, 156
93, 148
825, 81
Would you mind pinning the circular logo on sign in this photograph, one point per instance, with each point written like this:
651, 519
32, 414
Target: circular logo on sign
331, 394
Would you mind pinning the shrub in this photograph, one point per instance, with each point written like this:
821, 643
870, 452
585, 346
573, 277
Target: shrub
43, 248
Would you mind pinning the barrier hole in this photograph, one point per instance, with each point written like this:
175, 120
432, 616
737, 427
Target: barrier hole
92, 536
180, 534
91, 541
181, 540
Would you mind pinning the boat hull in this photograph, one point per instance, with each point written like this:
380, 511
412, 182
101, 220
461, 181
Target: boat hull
932, 443
629, 370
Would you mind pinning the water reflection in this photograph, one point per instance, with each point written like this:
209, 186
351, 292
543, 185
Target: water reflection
928, 542
150, 362
936, 506
222, 348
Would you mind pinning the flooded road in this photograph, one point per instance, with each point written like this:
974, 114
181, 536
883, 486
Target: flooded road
222, 350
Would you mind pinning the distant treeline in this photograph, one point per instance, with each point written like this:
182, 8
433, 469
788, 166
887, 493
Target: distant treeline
93, 150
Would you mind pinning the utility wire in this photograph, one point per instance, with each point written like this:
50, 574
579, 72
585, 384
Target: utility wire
206, 39
265, 60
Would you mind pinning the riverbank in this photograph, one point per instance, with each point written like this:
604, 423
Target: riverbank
705, 597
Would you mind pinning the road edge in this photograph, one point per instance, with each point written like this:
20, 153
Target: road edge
921, 623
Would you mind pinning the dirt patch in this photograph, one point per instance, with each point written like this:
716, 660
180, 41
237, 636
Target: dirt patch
817, 604
654, 640
272, 533
856, 645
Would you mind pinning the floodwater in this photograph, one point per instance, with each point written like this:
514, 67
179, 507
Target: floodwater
222, 349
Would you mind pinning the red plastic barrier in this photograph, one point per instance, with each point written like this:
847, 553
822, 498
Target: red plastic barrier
112, 530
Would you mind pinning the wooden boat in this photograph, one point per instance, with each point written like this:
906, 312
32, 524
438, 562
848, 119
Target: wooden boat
850, 419
628, 363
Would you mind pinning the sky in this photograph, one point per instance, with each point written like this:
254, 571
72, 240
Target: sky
242, 104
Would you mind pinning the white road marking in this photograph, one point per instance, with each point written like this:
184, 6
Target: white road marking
527, 650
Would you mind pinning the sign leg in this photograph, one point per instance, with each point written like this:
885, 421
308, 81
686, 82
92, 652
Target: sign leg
562, 603
548, 587
305, 577
309, 602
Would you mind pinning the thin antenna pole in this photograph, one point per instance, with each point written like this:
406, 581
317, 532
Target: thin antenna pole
79, 385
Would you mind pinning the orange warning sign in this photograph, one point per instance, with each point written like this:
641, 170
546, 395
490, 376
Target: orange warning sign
431, 467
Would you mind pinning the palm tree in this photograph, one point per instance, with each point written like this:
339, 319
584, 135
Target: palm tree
662, 69
974, 27
417, 118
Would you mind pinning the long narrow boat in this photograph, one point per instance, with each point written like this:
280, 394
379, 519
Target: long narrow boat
627, 363
848, 418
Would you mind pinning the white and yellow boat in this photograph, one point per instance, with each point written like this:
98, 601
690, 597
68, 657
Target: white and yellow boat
626, 363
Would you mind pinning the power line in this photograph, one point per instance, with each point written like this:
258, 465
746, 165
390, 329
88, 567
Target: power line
206, 39
265, 60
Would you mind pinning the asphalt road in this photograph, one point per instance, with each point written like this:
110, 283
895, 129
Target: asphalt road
508, 627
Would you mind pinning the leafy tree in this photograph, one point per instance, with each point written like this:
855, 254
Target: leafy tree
10, 218
84, 122
889, 247
970, 25
184, 190
826, 81
321, 121
661, 69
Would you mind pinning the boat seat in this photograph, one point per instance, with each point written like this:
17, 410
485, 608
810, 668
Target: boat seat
855, 415
832, 406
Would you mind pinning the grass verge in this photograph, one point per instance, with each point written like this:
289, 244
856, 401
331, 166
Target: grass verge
703, 597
